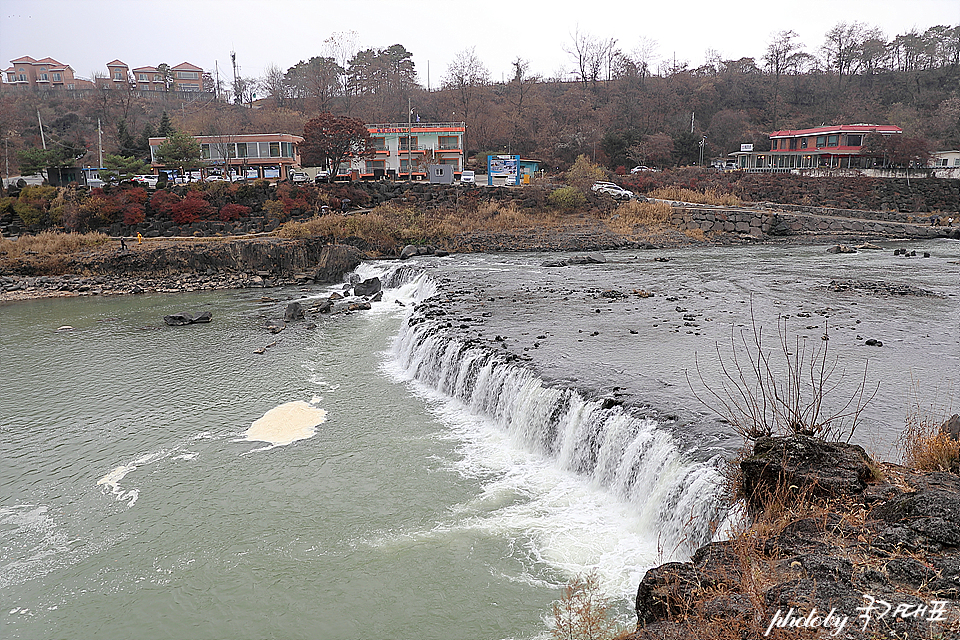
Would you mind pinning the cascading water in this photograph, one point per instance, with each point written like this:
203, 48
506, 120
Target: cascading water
678, 500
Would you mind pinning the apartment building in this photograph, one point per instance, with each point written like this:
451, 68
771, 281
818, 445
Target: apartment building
43, 74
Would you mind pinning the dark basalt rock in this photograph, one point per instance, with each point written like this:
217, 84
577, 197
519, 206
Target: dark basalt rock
184, 318
368, 287
294, 311
824, 469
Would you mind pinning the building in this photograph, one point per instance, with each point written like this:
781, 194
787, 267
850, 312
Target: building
827, 147
183, 77
251, 156
45, 73
945, 159
408, 149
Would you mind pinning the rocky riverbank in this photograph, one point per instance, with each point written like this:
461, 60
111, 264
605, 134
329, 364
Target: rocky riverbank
176, 266
839, 546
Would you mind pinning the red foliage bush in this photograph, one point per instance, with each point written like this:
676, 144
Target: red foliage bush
133, 214
233, 211
162, 202
190, 209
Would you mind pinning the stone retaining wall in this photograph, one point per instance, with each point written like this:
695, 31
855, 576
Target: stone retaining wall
761, 223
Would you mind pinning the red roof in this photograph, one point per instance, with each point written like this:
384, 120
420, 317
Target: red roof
49, 61
145, 69
840, 128
117, 63
23, 59
187, 66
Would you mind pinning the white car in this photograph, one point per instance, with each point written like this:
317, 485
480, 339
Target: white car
148, 181
641, 168
600, 185
468, 177
299, 177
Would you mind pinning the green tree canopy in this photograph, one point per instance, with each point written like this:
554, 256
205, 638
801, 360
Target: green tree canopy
122, 167
179, 150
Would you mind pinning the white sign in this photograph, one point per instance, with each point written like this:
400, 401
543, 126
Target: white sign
746, 147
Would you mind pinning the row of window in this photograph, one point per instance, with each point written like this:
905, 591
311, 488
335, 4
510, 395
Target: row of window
411, 143
371, 165
825, 141
43, 77
215, 151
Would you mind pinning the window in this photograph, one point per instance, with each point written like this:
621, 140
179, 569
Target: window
379, 143
187, 75
943, 162
408, 143
118, 75
286, 149
956, 162
23, 77
242, 150
803, 143
793, 143
71, 86
205, 151
57, 77
11, 77
371, 165
854, 140
188, 87
773, 145
833, 140
274, 149
448, 142
821, 141
142, 77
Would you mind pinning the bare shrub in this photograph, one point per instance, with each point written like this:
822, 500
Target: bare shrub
582, 613
632, 214
788, 390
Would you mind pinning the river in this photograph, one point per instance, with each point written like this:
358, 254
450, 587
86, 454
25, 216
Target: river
401, 493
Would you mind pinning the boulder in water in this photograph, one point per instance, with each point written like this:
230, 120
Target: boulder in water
368, 287
185, 318
294, 311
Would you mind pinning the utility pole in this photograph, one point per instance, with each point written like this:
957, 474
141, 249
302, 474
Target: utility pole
42, 138
100, 142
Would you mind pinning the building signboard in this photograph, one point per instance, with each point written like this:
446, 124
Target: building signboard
504, 168
746, 147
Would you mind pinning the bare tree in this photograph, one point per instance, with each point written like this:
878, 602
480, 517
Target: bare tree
274, 82
465, 76
841, 46
782, 55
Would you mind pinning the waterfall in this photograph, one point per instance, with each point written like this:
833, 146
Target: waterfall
678, 500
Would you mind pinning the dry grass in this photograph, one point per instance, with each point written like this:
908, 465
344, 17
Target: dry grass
49, 243
925, 446
682, 194
633, 214
389, 226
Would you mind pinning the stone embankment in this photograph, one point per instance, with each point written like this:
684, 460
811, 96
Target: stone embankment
183, 266
785, 220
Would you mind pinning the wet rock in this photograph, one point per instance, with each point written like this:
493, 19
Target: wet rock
368, 287
324, 307
294, 311
952, 427
873, 343
554, 263
409, 251
275, 326
184, 318
377, 297
589, 258
359, 306
841, 248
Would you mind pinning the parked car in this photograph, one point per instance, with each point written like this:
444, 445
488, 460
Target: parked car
600, 185
322, 176
148, 181
299, 177
468, 177
641, 168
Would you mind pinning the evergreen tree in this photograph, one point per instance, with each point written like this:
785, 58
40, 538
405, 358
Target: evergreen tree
165, 128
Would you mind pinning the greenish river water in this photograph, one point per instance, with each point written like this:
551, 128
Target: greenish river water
132, 505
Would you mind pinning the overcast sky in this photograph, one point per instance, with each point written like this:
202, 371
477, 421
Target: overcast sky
86, 34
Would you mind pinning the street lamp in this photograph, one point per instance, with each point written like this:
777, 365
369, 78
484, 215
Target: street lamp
703, 142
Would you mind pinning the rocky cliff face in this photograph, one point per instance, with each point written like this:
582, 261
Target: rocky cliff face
846, 548
266, 256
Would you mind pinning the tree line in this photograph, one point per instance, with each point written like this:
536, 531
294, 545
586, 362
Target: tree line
617, 107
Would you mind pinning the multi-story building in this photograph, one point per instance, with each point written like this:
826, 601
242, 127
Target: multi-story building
183, 77
407, 149
42, 74
830, 147
250, 156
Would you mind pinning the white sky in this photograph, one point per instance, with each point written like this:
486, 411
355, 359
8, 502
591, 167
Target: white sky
86, 34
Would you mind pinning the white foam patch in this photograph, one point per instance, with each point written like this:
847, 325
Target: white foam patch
112, 482
287, 423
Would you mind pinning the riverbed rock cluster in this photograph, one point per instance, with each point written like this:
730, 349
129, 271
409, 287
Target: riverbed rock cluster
858, 533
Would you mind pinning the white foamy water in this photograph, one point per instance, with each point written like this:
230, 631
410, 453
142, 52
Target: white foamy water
287, 423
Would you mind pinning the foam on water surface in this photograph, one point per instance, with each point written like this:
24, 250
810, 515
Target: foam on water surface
287, 423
